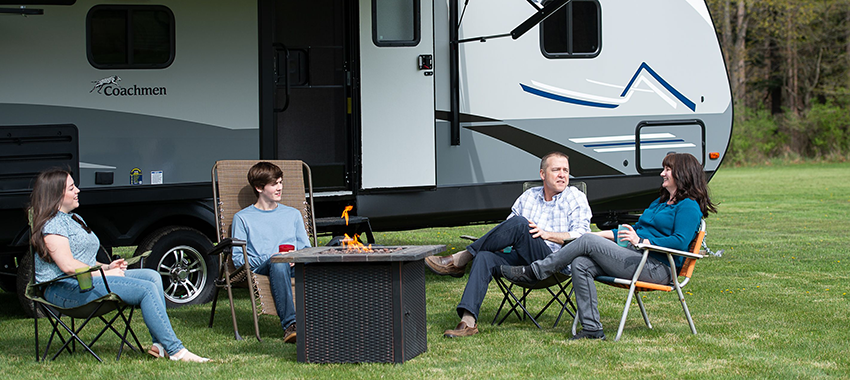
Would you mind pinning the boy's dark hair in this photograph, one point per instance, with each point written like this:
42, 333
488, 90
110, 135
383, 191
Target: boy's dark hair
262, 174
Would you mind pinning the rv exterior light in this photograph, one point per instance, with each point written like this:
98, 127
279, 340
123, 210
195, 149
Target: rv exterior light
538, 17
714, 155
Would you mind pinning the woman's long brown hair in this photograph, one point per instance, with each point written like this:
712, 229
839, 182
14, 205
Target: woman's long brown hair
690, 181
46, 197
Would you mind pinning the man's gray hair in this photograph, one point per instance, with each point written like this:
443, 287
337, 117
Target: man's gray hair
550, 154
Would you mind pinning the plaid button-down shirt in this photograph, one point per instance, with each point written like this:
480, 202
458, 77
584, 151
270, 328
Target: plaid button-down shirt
568, 211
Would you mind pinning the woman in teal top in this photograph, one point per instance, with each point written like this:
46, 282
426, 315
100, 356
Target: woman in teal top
65, 243
671, 221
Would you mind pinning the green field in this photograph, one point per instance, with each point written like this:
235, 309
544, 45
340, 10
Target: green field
775, 305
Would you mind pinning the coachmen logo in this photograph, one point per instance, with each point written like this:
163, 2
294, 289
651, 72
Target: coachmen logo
109, 86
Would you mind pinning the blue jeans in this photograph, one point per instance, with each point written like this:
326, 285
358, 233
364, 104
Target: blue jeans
138, 287
510, 233
280, 275
592, 255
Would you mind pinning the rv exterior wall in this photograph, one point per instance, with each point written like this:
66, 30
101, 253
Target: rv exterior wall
177, 120
658, 61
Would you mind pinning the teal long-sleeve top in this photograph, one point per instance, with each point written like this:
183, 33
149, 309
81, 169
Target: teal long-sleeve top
672, 226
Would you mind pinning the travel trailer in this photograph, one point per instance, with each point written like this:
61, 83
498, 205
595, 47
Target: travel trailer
416, 112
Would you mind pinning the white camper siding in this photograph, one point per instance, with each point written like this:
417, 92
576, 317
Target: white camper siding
668, 51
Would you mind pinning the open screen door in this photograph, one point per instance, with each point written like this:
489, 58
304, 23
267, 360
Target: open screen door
397, 93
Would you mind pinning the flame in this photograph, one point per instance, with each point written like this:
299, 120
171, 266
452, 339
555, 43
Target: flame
354, 244
345, 215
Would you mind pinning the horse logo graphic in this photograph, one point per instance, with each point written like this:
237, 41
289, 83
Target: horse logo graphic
98, 84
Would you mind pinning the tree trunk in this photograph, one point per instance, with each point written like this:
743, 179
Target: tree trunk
740, 76
791, 83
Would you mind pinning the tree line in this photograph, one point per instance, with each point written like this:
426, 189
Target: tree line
789, 69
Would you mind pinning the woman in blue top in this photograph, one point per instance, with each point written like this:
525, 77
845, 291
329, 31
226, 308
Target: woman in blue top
65, 243
671, 221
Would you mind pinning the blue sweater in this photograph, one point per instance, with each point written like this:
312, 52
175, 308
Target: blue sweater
265, 231
671, 226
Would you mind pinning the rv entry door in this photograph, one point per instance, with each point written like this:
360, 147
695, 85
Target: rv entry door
397, 94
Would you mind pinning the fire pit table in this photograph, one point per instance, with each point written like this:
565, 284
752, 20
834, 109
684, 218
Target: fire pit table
356, 306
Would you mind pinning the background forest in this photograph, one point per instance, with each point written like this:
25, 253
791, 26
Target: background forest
789, 68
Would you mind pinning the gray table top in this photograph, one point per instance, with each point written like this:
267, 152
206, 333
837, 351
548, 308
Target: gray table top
339, 255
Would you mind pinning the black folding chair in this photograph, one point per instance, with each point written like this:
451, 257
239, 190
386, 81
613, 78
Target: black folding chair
69, 336
562, 294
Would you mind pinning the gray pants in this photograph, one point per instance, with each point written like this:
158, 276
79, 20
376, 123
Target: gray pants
591, 256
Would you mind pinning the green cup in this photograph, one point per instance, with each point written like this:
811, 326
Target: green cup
621, 242
84, 279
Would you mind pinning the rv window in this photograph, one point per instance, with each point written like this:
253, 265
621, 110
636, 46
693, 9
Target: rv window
130, 37
395, 22
573, 32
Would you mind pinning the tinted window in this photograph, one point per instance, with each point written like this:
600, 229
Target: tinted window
395, 22
574, 31
130, 37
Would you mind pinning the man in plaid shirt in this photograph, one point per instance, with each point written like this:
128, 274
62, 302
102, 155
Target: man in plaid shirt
541, 219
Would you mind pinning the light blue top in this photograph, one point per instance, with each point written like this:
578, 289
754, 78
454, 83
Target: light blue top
84, 245
265, 231
672, 226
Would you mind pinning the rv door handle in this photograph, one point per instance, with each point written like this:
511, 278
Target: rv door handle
426, 62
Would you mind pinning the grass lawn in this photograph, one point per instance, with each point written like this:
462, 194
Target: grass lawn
774, 306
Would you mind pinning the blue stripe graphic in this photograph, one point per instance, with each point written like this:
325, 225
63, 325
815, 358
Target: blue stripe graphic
565, 99
643, 66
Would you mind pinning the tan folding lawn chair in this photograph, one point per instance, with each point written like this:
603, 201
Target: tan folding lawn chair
232, 193
635, 286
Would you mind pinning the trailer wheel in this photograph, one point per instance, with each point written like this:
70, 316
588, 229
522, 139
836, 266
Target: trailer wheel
179, 255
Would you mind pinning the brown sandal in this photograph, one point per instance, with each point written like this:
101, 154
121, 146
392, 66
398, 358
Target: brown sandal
157, 351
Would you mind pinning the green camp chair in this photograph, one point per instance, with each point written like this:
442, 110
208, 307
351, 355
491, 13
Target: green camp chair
95, 310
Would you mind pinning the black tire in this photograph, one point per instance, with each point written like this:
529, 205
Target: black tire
179, 254
8, 283
25, 265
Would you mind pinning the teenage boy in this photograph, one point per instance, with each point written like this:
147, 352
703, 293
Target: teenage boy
266, 225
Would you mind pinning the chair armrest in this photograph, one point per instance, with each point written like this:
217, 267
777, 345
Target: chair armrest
136, 259
67, 276
225, 244
671, 251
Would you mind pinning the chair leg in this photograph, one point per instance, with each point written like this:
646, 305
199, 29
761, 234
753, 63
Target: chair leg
254, 300
556, 296
504, 299
521, 303
507, 294
127, 330
74, 337
643, 309
625, 311
233, 314
685, 308
35, 308
575, 323
222, 273
214, 302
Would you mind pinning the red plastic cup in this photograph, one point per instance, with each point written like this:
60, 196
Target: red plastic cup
286, 248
